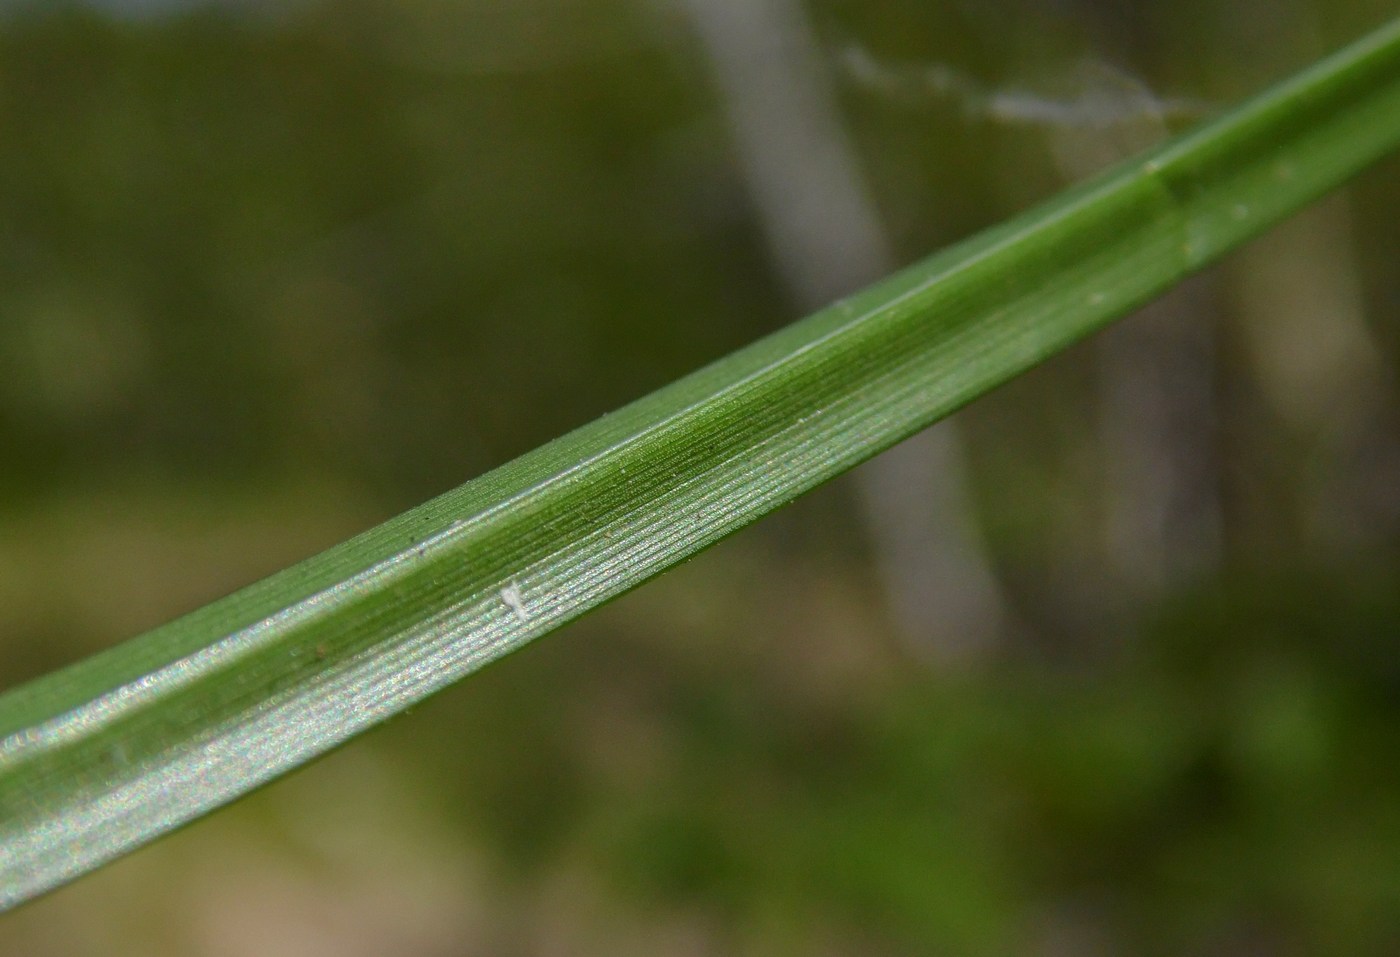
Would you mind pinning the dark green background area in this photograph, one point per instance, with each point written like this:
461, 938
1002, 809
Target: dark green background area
270, 273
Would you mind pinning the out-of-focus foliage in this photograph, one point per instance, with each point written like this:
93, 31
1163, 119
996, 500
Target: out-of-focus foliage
258, 260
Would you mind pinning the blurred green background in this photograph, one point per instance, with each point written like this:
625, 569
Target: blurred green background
1109, 664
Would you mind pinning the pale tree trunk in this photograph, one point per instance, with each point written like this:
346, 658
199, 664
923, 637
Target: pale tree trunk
827, 240
1157, 408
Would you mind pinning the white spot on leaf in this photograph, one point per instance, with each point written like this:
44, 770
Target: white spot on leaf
515, 601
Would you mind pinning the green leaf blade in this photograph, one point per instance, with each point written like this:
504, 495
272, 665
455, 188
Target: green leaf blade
103, 756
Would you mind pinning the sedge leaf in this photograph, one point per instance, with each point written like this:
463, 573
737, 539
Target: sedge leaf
103, 756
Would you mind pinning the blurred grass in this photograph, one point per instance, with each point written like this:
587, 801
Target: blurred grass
746, 759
